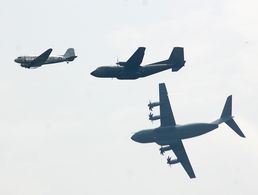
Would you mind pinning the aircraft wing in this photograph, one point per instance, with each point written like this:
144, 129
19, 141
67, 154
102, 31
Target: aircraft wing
41, 58
136, 59
166, 114
179, 150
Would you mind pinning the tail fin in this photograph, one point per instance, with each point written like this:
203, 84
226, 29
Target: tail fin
70, 54
226, 117
227, 110
176, 59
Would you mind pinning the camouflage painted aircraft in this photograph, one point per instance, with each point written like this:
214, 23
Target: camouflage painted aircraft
45, 58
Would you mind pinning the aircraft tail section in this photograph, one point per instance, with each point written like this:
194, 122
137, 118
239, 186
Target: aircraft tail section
226, 117
176, 58
70, 54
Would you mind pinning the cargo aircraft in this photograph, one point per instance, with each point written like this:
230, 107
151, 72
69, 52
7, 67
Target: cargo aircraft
132, 69
45, 58
170, 134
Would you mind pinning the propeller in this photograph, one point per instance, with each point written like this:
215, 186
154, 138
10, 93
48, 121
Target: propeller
161, 151
169, 161
149, 105
150, 117
117, 61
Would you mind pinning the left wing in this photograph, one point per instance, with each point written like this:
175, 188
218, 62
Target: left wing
179, 150
166, 114
135, 60
41, 58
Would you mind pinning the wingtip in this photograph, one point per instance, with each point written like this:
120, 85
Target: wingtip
178, 47
143, 48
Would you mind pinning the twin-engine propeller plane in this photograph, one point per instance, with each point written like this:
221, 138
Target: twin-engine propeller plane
45, 58
170, 135
131, 69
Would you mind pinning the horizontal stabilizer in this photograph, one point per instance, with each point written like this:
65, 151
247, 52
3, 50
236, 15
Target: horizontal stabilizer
232, 124
226, 117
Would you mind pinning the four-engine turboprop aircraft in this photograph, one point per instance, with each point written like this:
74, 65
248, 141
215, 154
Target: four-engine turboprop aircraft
45, 58
170, 135
131, 69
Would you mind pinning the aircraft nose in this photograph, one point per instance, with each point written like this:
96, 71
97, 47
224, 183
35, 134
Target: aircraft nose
135, 137
93, 73
16, 60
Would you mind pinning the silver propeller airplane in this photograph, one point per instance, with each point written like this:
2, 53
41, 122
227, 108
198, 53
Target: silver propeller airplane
45, 58
170, 135
131, 69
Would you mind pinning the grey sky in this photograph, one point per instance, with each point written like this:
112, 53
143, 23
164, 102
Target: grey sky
63, 131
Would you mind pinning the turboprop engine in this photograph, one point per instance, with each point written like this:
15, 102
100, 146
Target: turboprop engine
151, 105
164, 149
171, 162
153, 118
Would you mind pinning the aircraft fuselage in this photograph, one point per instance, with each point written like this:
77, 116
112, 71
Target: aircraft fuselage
26, 60
166, 135
121, 72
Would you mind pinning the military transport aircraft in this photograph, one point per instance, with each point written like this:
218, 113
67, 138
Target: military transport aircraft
45, 58
170, 135
131, 69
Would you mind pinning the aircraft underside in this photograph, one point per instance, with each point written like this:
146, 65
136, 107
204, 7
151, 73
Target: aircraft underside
141, 72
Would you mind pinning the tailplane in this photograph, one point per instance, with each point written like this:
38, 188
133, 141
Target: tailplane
226, 117
70, 54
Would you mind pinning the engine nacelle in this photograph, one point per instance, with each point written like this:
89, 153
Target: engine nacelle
121, 63
153, 118
151, 105
25, 66
171, 162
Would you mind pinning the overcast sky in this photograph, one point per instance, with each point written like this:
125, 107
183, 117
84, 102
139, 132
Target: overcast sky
63, 131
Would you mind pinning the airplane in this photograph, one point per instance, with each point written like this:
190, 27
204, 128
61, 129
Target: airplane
132, 69
45, 58
170, 135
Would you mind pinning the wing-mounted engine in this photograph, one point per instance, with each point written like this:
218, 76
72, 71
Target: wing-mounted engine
29, 67
151, 105
153, 117
171, 162
121, 64
164, 149
25, 66
135, 60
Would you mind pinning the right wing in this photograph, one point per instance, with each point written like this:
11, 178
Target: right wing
179, 150
166, 114
136, 59
41, 58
